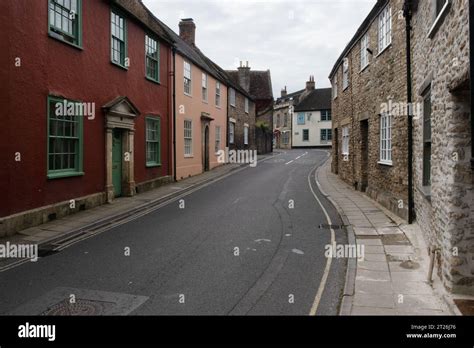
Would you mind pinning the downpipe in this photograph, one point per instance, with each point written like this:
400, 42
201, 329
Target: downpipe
434, 251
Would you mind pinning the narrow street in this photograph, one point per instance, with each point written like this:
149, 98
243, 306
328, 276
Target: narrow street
235, 247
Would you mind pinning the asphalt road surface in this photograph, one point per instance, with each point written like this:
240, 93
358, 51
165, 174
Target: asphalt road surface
237, 247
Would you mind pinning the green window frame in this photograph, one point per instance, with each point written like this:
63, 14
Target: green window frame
152, 58
153, 141
305, 134
65, 140
65, 21
118, 39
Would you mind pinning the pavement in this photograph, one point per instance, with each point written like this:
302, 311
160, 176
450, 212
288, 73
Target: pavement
247, 241
391, 277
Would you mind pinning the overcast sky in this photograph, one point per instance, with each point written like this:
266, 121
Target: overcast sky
292, 38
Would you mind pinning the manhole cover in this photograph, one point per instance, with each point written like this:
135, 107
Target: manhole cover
79, 308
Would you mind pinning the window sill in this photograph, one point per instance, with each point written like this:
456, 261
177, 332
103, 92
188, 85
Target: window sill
153, 165
63, 175
123, 67
383, 50
386, 163
345, 89
439, 20
188, 95
51, 35
232, 105
426, 192
205, 101
153, 80
364, 68
188, 156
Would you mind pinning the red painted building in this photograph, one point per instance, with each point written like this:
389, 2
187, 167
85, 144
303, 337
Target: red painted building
86, 106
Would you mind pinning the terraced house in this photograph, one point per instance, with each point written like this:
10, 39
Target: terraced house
201, 105
370, 125
283, 118
76, 140
443, 165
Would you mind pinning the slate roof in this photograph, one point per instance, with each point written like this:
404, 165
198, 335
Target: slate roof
289, 96
260, 83
318, 99
378, 7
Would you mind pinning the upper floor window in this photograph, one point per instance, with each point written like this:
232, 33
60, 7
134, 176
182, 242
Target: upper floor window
232, 97
204, 87
231, 132
218, 94
246, 135
440, 4
440, 9
65, 20
364, 51
246, 105
334, 86
152, 51
187, 78
119, 39
326, 115
285, 120
345, 73
385, 28
386, 138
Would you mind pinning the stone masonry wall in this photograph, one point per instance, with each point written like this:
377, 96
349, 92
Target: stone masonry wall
447, 216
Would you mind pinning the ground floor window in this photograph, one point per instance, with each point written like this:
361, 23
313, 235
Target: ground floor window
218, 139
345, 140
246, 135
286, 138
153, 134
231, 132
326, 134
386, 138
305, 134
188, 138
65, 134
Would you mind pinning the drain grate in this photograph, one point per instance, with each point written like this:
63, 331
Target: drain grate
80, 308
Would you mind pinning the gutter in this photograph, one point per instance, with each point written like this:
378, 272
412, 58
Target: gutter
407, 13
174, 112
471, 75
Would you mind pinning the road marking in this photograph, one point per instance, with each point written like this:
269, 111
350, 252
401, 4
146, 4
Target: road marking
324, 279
289, 162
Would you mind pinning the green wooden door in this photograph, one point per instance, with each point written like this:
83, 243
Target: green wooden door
117, 162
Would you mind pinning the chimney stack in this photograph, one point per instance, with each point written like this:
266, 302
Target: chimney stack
310, 85
187, 31
244, 76
284, 93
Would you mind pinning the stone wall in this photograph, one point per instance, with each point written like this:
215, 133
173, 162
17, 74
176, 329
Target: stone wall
359, 106
446, 215
238, 113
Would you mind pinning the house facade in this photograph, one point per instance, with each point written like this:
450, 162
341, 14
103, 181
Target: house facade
201, 106
443, 175
370, 124
258, 85
283, 119
86, 138
311, 122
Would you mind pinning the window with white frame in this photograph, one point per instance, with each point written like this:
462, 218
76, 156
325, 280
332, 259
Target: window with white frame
385, 28
246, 105
187, 78
231, 132
246, 135
286, 138
345, 140
386, 138
218, 139
325, 115
204, 87
345, 73
326, 135
364, 51
232, 97
218, 94
188, 138
334, 86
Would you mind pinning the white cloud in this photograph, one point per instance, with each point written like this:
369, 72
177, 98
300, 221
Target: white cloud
292, 38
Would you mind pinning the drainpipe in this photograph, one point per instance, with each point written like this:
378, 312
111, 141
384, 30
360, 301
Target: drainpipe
471, 75
174, 113
407, 13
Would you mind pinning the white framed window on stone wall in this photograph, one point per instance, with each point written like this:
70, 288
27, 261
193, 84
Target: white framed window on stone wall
385, 28
386, 139
187, 78
334, 86
204, 87
345, 73
364, 52
232, 97
427, 139
345, 141
188, 138
286, 138
246, 135
231, 132
218, 139
246, 105
439, 9
218, 94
